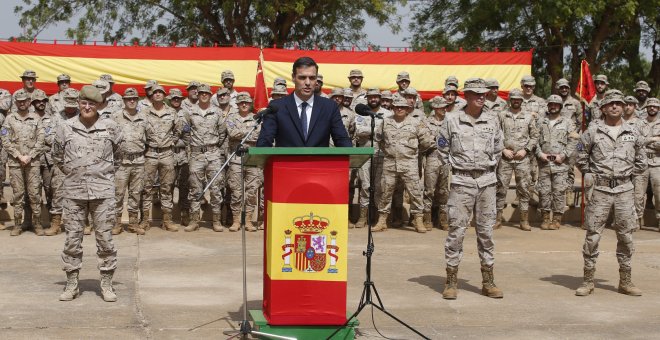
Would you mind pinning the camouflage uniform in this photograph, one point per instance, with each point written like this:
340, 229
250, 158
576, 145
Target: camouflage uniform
48, 122
436, 174
641, 106
497, 105
23, 134
419, 104
181, 167
649, 129
56, 101
363, 139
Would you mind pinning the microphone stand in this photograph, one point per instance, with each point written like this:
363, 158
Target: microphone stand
369, 289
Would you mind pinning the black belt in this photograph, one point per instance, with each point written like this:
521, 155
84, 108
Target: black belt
133, 156
160, 150
203, 148
612, 182
471, 173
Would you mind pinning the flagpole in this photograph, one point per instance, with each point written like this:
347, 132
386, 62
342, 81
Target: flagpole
584, 119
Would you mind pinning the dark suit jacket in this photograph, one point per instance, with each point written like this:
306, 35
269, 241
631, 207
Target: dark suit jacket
285, 128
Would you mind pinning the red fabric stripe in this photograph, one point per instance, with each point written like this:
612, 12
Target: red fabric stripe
130, 52
401, 58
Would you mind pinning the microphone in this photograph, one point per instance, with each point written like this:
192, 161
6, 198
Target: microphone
364, 110
259, 116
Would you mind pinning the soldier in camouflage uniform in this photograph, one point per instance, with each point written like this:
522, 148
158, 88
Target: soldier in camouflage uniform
113, 98
386, 99
472, 142
238, 126
557, 141
224, 102
610, 155
181, 151
404, 137
192, 98
227, 79
23, 137
84, 150
5, 105
57, 100
146, 102
572, 109
348, 98
493, 101
450, 94
640, 182
129, 174
355, 77
650, 128
458, 102
163, 131
106, 109
208, 134
436, 174
403, 81
520, 137
39, 102
318, 87
601, 83
29, 80
537, 107
347, 115
280, 91
642, 91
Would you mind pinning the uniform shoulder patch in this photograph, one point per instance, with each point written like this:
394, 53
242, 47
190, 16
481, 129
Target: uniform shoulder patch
3, 131
47, 129
186, 127
442, 142
230, 123
359, 119
580, 146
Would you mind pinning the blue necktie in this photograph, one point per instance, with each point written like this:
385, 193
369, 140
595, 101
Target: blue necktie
303, 118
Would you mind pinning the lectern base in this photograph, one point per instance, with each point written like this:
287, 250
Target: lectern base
303, 332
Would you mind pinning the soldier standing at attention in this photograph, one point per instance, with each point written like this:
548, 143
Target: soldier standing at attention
642, 91
181, 167
436, 174
640, 182
601, 83
113, 98
57, 100
23, 137
403, 81
557, 141
386, 99
610, 155
39, 102
651, 130
493, 100
84, 150
318, 87
355, 77
471, 141
537, 107
130, 171
192, 98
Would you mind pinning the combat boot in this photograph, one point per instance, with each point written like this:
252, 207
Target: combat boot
451, 284
117, 229
55, 225
87, 230
640, 224
236, 222
498, 220
546, 221
418, 223
18, 225
3, 226
524, 221
488, 284
444, 218
106, 286
36, 224
428, 221
185, 217
168, 225
144, 224
587, 286
556, 221
625, 284
382, 223
217, 225
362, 221
71, 290
194, 222
248, 224
134, 224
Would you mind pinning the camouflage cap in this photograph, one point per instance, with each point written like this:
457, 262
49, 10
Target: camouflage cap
373, 92
476, 85
63, 77
319, 77
204, 88
71, 97
102, 85
515, 94
279, 81
563, 82
175, 93
130, 92
400, 102
280, 89
157, 88
612, 96
29, 74
402, 76
438, 102
451, 80
642, 85
449, 88
653, 102
387, 94
348, 93
356, 73
601, 77
492, 82
90, 93
631, 100
192, 83
555, 99
337, 91
243, 97
150, 84
410, 91
21, 95
107, 77
220, 91
227, 74
527, 80
39, 95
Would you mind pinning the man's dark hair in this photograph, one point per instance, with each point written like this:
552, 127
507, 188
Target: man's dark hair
304, 62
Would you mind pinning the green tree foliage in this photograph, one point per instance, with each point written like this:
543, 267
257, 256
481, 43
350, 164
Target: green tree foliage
608, 34
225, 22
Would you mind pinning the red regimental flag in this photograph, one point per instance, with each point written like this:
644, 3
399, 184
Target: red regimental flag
585, 88
260, 94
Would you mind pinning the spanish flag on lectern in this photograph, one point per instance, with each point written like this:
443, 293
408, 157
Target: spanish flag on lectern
305, 250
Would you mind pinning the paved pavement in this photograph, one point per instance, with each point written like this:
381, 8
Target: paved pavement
188, 285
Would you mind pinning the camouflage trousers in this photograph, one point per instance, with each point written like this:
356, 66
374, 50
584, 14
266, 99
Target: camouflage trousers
128, 177
522, 171
46, 180
3, 173
56, 182
253, 178
436, 183
365, 175
640, 184
464, 203
201, 171
412, 184
183, 183
22, 179
625, 220
161, 169
552, 190
102, 212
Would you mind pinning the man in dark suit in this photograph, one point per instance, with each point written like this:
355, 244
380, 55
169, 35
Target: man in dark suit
303, 118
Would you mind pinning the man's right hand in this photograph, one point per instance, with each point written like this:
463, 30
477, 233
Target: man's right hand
508, 154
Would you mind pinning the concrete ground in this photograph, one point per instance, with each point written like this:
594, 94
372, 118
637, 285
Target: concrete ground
188, 286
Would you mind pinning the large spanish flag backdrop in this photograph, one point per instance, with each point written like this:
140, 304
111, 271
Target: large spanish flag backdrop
176, 66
